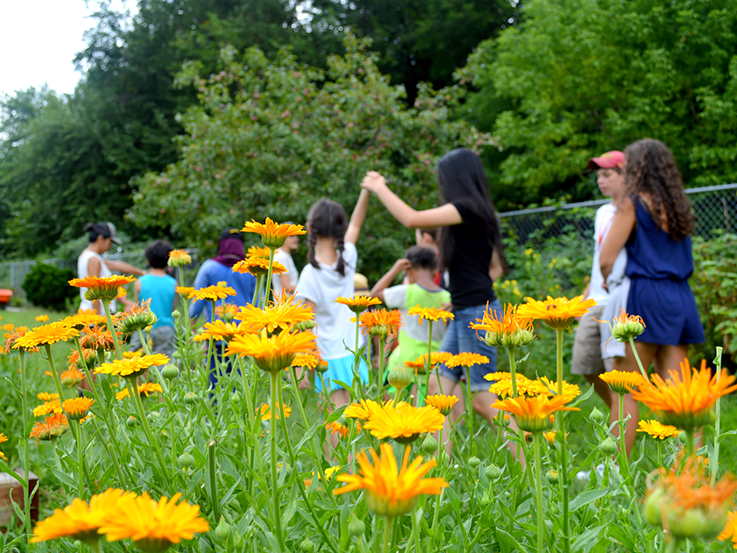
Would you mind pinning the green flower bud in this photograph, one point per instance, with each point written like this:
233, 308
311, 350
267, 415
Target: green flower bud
485, 499
493, 472
608, 447
307, 546
185, 460
305, 325
552, 476
400, 377
237, 540
494, 339
597, 416
235, 400
651, 509
356, 527
190, 398
170, 371
474, 462
176, 314
132, 422
382, 331
429, 445
153, 416
631, 327
222, 531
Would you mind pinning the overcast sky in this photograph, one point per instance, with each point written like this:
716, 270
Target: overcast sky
39, 39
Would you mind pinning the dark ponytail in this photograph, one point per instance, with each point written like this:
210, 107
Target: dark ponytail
327, 219
97, 229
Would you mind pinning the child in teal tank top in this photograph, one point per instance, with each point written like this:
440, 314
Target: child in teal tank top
420, 265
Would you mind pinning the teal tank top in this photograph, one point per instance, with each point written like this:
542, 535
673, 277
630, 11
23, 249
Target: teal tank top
160, 290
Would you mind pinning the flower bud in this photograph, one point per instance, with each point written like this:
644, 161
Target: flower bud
153, 416
552, 476
400, 377
522, 337
429, 445
307, 546
608, 447
493, 472
651, 509
190, 398
170, 371
485, 499
235, 399
356, 527
222, 531
382, 331
305, 325
494, 339
132, 422
597, 416
176, 314
629, 329
474, 462
185, 460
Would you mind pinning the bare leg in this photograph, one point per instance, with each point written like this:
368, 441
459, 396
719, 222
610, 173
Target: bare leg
601, 388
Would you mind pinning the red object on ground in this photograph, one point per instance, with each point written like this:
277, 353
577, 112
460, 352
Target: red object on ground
5, 296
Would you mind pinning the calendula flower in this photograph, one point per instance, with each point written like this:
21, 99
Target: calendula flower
12, 337
134, 367
730, 529
47, 408
419, 365
533, 413
622, 382
685, 400
657, 430
430, 313
226, 311
404, 423
145, 389
276, 317
381, 322
627, 326
259, 251
213, 293
77, 408
220, 331
179, 258
507, 331
336, 427
137, 317
546, 387
83, 318
359, 304
154, 525
272, 353
273, 235
558, 313
43, 396
499, 375
265, 410
122, 292
258, 266
102, 288
306, 360
72, 377
466, 359
364, 409
45, 336
51, 427
185, 291
390, 491
442, 403
503, 388
3, 438
329, 472
80, 521
90, 359
42, 318
96, 337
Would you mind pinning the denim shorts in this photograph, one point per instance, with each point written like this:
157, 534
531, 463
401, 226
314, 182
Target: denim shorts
459, 337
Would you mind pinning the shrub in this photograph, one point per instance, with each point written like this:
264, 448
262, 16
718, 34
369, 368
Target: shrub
47, 286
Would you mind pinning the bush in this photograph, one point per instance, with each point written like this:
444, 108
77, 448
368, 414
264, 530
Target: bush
47, 286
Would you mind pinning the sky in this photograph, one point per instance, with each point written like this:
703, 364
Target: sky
39, 39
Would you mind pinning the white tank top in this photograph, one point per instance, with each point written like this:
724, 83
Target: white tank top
83, 271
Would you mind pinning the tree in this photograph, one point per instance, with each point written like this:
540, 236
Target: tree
581, 77
268, 138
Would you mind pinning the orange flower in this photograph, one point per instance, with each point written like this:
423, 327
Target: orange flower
509, 331
381, 322
277, 316
273, 235
336, 428
226, 311
145, 389
83, 318
466, 359
133, 367
359, 304
72, 377
42, 318
657, 430
404, 423
258, 266
622, 382
265, 411
557, 313
12, 337
430, 313
213, 293
419, 365
259, 251
442, 403
546, 387
533, 413
45, 336
101, 288
48, 408
685, 400
272, 353
77, 408
220, 331
96, 338
90, 357
306, 360
179, 258
3, 438
185, 291
51, 427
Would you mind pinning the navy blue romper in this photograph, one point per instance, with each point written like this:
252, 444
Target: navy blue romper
659, 268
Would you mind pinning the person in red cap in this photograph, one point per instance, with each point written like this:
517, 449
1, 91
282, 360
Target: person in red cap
587, 353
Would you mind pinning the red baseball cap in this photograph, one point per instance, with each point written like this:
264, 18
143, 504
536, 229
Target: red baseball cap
609, 160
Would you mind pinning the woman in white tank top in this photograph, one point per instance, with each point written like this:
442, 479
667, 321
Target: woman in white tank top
91, 263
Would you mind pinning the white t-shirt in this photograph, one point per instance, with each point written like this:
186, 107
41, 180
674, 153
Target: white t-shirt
602, 224
83, 271
285, 259
323, 286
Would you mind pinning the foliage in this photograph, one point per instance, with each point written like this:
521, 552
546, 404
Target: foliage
275, 136
577, 78
47, 286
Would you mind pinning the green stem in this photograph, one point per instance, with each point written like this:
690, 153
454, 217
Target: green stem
469, 410
622, 432
111, 328
267, 291
94, 546
387, 536
538, 491
257, 290
251, 419
144, 342
718, 424
25, 483
428, 363
512, 370
672, 545
563, 449
214, 498
209, 370
272, 461
415, 532
381, 371
689, 443
637, 358
80, 457
138, 402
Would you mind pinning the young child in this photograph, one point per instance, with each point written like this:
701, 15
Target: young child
428, 238
156, 285
332, 256
420, 265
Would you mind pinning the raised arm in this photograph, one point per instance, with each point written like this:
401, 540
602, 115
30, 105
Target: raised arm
496, 269
358, 217
443, 216
623, 223
384, 282
123, 267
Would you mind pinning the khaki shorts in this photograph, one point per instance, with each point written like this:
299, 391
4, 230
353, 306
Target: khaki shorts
587, 345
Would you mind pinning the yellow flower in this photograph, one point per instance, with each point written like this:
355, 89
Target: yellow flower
496, 376
48, 408
546, 387
442, 403
51, 427
266, 412
511, 330
80, 521
381, 322
259, 251
685, 400
102, 288
42, 318
390, 491
3, 438
154, 525
533, 413
185, 291
277, 316
337, 428
43, 396
363, 410
359, 304
134, 367
622, 382
273, 235
272, 353
306, 360
329, 472
77, 408
213, 293
179, 258
558, 313
220, 330
430, 313
258, 266
12, 337
466, 359
145, 389
72, 377
657, 430
404, 423
45, 336
226, 311
525, 386
436, 358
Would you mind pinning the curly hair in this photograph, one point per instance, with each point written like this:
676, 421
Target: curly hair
652, 173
